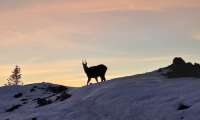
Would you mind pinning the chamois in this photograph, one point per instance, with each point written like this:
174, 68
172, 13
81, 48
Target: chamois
95, 72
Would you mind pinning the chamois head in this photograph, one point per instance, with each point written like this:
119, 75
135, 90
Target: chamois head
84, 63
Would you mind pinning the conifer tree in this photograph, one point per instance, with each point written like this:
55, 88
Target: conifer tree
14, 78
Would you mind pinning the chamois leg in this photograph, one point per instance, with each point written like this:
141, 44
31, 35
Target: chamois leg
104, 78
97, 80
101, 78
89, 79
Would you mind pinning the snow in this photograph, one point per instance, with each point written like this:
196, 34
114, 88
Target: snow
148, 96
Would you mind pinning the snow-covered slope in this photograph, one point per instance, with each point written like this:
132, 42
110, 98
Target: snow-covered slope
150, 96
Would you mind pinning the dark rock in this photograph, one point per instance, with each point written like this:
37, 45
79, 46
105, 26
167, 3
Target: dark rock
178, 61
56, 89
63, 96
43, 102
180, 68
24, 103
13, 108
24, 99
182, 117
32, 90
34, 118
183, 107
18, 95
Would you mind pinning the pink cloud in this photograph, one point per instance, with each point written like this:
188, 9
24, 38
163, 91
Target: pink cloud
80, 6
111, 5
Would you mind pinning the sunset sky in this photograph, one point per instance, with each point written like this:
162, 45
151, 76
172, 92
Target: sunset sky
49, 38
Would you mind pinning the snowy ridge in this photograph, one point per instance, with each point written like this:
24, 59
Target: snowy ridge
150, 96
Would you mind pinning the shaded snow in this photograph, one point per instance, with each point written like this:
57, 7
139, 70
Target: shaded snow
142, 97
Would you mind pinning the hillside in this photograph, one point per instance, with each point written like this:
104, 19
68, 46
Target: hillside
149, 96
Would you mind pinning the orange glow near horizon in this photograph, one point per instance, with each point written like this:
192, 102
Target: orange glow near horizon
70, 73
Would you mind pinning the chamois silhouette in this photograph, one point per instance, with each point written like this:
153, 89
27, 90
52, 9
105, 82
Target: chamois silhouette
95, 72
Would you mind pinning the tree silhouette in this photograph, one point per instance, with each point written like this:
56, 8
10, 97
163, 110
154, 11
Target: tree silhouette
15, 77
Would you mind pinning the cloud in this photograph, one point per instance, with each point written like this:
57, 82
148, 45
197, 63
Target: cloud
57, 35
86, 6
